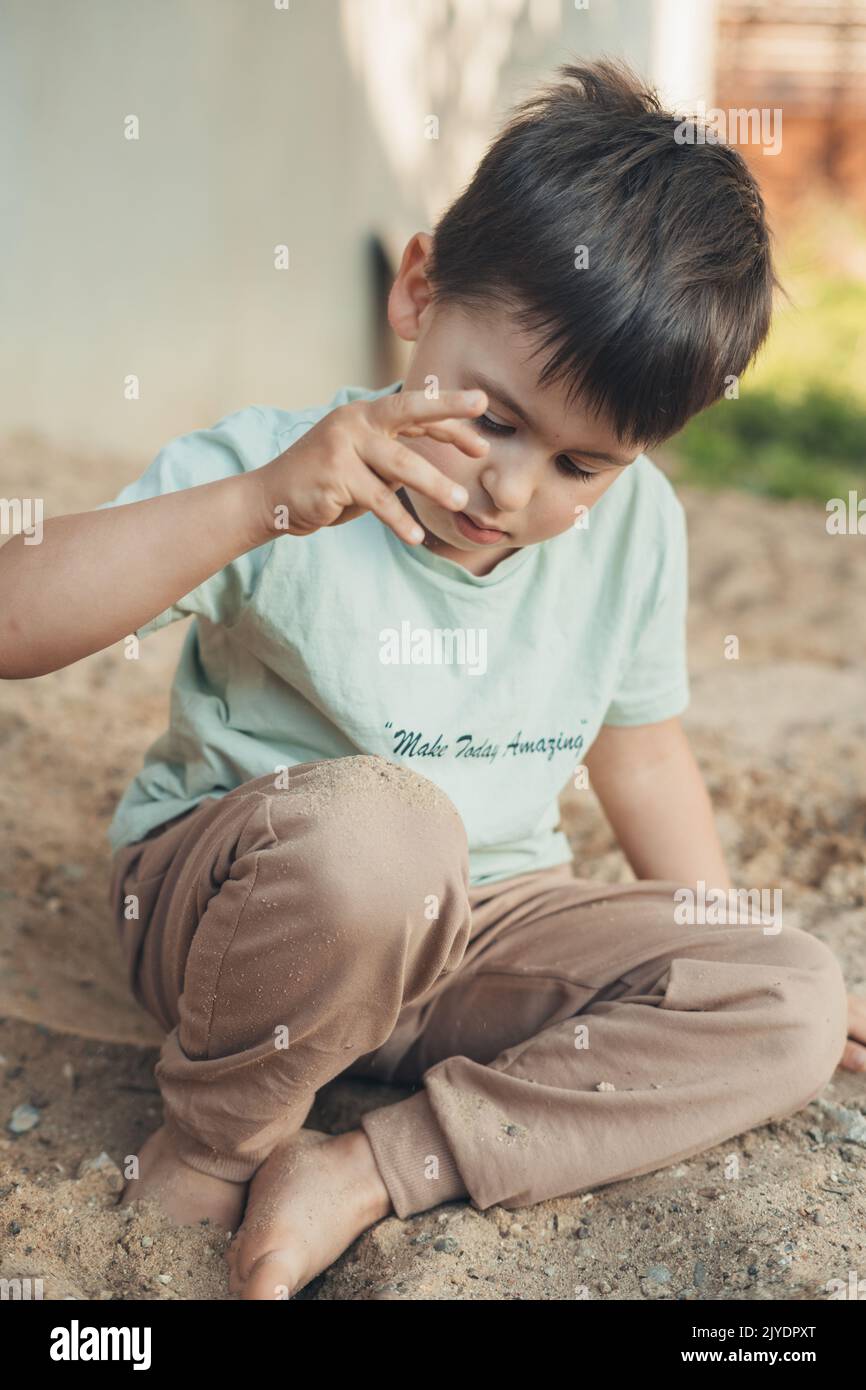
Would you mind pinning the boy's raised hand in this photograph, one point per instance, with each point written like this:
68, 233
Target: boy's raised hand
351, 462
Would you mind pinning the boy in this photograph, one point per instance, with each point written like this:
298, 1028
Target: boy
344, 855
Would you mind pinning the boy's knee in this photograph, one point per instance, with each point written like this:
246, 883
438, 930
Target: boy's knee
368, 782
813, 1010
377, 846
375, 813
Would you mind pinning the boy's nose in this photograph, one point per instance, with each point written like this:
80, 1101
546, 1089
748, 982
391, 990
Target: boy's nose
508, 491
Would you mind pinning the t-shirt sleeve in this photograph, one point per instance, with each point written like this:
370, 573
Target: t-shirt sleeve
235, 444
654, 684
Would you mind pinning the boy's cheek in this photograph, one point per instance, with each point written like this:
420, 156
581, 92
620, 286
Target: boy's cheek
572, 514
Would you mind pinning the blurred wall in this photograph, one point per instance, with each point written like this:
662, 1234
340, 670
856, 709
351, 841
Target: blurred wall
302, 123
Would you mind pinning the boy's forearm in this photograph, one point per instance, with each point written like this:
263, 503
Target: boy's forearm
657, 803
96, 576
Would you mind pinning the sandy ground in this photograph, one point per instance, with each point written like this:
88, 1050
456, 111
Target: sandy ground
781, 735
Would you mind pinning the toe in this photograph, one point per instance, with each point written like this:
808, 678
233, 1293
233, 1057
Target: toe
271, 1277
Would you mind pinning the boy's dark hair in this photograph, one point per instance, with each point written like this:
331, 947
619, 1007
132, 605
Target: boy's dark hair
679, 287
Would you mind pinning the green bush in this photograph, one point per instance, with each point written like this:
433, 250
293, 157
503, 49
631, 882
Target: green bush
798, 427
812, 447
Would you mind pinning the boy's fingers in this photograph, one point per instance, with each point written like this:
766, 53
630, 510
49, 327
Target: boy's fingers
857, 1016
375, 494
405, 408
854, 1057
457, 432
396, 465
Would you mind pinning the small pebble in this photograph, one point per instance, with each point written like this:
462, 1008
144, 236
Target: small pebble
103, 1164
850, 1124
23, 1118
446, 1243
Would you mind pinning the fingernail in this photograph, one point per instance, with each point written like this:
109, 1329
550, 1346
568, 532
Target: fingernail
417, 534
459, 494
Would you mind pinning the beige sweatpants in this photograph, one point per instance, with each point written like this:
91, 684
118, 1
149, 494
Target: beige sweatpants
562, 1033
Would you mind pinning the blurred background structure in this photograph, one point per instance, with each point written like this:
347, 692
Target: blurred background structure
799, 425
309, 126
809, 58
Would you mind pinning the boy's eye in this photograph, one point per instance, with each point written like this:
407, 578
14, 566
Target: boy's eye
567, 465
573, 470
493, 426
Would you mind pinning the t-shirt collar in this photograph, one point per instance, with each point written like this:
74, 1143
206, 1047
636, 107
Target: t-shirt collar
451, 570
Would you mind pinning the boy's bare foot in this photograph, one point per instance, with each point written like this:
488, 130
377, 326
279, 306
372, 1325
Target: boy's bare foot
183, 1193
309, 1200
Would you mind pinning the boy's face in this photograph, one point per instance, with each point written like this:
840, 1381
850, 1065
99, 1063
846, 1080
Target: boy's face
539, 471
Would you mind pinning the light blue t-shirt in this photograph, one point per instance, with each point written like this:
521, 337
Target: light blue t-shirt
351, 641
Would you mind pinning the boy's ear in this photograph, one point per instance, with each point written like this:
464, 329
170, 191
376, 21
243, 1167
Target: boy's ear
410, 292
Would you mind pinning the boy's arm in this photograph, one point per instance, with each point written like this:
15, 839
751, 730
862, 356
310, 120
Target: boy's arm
96, 576
652, 792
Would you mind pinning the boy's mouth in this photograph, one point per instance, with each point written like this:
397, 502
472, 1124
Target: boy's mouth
483, 535
466, 524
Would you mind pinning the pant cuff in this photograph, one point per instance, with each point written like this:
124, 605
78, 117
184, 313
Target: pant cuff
412, 1155
206, 1160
